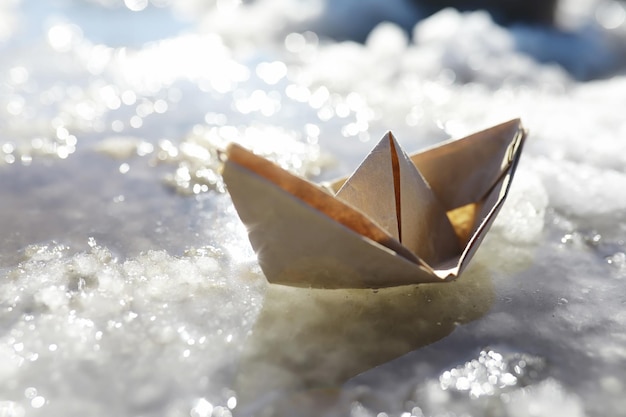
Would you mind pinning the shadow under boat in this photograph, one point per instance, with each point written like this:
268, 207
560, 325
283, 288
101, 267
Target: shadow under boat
307, 342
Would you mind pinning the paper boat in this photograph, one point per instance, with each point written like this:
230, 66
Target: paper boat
397, 220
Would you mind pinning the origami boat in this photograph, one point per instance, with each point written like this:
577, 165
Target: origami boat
397, 220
